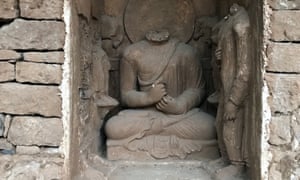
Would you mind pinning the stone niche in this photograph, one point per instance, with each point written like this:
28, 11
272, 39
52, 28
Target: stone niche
99, 33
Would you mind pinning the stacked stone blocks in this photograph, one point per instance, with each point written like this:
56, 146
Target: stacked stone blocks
32, 36
283, 79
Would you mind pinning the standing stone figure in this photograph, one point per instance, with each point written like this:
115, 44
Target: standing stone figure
233, 52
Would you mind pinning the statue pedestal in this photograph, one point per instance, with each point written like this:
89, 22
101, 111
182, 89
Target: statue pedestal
156, 147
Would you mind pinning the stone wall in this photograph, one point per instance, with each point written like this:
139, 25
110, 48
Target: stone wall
35, 118
282, 78
32, 36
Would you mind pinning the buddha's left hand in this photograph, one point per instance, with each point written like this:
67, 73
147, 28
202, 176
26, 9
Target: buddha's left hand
230, 111
170, 105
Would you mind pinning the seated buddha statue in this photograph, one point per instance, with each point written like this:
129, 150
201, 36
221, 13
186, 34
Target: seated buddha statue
161, 89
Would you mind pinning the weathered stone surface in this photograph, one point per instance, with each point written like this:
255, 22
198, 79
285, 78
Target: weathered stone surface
42, 9
97, 8
29, 99
7, 123
274, 172
208, 7
114, 7
280, 132
22, 34
47, 57
84, 8
30, 167
5, 145
7, 71
284, 90
284, 4
9, 54
285, 26
27, 150
2, 127
28, 130
283, 57
8, 9
38, 73
295, 124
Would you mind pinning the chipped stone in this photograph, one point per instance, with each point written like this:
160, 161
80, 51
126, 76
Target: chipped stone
285, 26
7, 71
30, 99
284, 4
42, 9
38, 73
28, 130
2, 127
45, 57
5, 145
30, 167
296, 128
283, 57
25, 34
284, 90
7, 123
280, 132
9, 55
29, 150
274, 173
8, 9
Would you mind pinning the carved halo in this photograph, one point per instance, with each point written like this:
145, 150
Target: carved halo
176, 16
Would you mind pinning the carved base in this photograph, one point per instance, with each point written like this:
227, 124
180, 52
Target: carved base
162, 148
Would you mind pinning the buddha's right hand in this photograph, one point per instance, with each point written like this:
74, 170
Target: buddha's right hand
157, 92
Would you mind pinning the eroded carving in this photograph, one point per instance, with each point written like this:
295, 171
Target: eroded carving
235, 61
162, 85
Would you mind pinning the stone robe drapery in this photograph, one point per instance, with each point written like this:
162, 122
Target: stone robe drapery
177, 66
234, 37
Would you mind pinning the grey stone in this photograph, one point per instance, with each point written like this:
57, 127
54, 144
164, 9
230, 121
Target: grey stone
284, 4
38, 73
296, 126
285, 26
160, 171
29, 150
7, 71
28, 130
280, 132
30, 99
284, 92
23, 34
2, 127
147, 16
7, 123
5, 145
283, 57
9, 54
50, 150
30, 167
47, 57
8, 9
114, 7
42, 9
275, 174
84, 8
